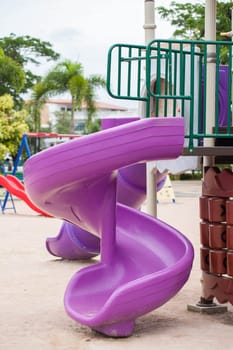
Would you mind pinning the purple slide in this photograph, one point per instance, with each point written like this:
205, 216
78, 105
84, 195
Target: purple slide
144, 262
72, 242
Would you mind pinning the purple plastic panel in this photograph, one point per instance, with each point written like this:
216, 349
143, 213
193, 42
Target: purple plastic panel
144, 262
111, 122
223, 95
73, 243
223, 90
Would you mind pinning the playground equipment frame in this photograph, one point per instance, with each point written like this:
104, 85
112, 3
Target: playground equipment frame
24, 146
168, 60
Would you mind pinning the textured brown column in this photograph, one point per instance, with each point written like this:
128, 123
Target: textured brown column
229, 237
216, 209
204, 257
217, 235
217, 259
230, 263
229, 212
204, 233
203, 202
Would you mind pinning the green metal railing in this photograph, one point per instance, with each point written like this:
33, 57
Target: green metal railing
169, 78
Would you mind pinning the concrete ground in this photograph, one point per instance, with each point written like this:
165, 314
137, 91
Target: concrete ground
32, 282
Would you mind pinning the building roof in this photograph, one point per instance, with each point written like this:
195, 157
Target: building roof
98, 104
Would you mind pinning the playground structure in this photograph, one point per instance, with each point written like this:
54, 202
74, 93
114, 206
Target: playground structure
142, 66
144, 262
177, 61
12, 184
16, 188
216, 213
202, 140
164, 96
208, 133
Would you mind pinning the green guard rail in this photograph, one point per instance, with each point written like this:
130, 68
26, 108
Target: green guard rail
169, 77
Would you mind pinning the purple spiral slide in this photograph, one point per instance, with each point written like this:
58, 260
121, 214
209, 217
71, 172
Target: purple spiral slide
144, 262
74, 243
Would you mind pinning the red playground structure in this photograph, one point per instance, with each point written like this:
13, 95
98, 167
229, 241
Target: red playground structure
13, 186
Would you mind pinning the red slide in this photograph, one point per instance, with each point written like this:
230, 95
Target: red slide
15, 187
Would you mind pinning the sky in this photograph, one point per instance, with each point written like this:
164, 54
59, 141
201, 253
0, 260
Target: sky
81, 31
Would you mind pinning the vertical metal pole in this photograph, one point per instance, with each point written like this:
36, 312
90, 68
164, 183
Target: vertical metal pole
210, 34
151, 193
149, 24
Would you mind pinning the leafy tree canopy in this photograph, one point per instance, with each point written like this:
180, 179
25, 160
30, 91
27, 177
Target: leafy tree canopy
12, 77
27, 50
62, 125
12, 125
189, 18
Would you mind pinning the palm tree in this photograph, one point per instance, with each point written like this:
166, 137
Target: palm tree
67, 76
39, 92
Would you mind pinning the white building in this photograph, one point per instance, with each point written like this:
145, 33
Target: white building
52, 106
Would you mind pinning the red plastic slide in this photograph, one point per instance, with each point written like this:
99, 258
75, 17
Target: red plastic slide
15, 187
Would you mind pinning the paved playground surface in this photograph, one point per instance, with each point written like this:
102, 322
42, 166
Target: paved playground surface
33, 283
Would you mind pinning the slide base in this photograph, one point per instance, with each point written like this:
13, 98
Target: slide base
121, 329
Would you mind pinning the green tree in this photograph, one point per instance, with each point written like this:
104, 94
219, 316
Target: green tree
93, 126
28, 51
62, 125
12, 77
67, 76
189, 18
39, 93
12, 126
